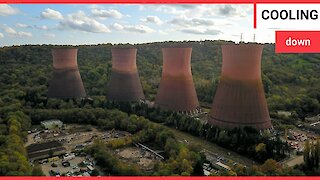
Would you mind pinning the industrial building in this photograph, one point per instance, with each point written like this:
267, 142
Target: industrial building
124, 83
66, 81
51, 124
240, 99
45, 150
176, 91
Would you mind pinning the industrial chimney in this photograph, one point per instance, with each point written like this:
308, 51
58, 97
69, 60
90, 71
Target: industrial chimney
124, 83
176, 91
66, 80
240, 100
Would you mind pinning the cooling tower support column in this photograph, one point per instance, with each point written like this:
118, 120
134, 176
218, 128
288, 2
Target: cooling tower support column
176, 91
66, 80
124, 83
240, 100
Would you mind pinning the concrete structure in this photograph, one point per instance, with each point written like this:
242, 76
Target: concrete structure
240, 100
66, 80
223, 166
284, 113
124, 83
51, 124
44, 150
176, 91
313, 118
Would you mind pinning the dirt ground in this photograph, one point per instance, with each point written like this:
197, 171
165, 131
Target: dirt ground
294, 161
130, 152
143, 158
145, 162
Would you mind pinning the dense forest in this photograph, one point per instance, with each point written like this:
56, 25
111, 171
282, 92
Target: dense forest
291, 83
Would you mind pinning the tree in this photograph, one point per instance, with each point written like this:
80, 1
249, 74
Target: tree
311, 154
37, 171
261, 150
271, 168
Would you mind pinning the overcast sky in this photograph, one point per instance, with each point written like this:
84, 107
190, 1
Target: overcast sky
93, 24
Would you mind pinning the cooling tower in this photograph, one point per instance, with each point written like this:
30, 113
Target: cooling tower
240, 100
124, 83
66, 80
176, 91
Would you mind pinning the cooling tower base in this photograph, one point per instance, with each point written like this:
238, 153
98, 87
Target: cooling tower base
230, 125
124, 86
238, 104
66, 83
192, 112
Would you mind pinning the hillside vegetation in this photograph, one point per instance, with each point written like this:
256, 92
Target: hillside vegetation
291, 81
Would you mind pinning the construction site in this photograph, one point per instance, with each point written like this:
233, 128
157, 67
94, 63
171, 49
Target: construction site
58, 151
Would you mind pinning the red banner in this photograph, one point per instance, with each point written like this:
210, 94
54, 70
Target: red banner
297, 41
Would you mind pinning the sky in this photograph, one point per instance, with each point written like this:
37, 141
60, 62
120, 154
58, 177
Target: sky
110, 23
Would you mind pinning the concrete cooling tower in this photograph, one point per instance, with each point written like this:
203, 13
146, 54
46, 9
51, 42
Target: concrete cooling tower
124, 83
176, 91
66, 80
240, 100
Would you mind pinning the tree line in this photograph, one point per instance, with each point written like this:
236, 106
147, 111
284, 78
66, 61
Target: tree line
13, 156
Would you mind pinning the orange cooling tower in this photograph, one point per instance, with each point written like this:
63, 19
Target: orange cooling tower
240, 100
176, 91
66, 80
124, 83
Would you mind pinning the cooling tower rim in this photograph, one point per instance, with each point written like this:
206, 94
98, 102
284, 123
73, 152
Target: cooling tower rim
211, 117
231, 125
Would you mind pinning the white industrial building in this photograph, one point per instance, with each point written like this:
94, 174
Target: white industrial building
51, 124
